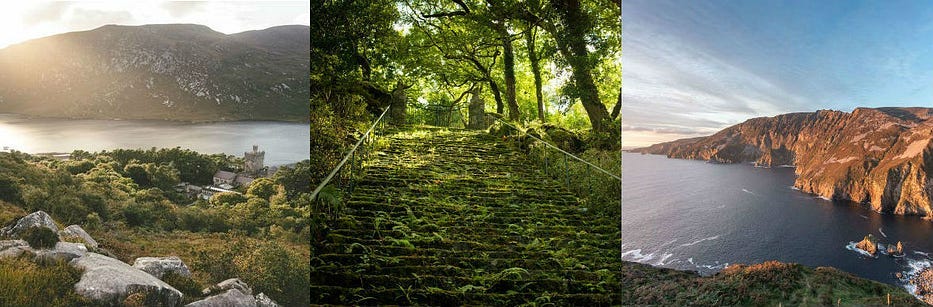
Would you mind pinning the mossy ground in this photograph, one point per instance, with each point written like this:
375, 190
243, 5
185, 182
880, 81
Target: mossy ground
451, 217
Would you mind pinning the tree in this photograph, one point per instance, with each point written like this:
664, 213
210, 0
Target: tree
262, 188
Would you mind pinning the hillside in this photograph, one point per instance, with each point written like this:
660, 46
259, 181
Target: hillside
880, 157
171, 71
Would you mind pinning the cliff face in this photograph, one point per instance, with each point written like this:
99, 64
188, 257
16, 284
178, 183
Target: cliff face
174, 71
880, 157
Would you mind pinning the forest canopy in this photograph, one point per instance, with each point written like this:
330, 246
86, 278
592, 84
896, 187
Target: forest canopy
548, 61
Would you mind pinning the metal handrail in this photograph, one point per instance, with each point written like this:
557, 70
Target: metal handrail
347, 157
561, 150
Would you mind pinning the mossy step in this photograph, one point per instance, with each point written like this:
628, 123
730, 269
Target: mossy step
490, 283
495, 264
404, 204
440, 297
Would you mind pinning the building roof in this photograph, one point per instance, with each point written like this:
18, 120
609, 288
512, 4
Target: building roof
225, 175
244, 180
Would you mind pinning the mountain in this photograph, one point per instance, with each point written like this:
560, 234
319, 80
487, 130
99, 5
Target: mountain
171, 71
880, 157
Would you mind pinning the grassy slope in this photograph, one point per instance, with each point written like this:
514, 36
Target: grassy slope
770, 283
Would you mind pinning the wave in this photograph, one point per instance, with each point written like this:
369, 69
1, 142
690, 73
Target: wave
824, 198
749, 192
663, 257
851, 247
882, 232
864, 217
794, 188
698, 241
668, 243
786, 166
638, 256
922, 254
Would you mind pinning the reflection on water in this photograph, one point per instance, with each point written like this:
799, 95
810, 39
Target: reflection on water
283, 142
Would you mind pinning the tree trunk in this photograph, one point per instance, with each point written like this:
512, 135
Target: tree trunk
477, 110
536, 70
572, 45
617, 108
399, 104
509, 69
496, 94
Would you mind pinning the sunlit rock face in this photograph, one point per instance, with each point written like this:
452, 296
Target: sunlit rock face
178, 72
880, 157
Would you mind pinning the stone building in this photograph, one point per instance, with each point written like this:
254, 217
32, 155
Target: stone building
254, 159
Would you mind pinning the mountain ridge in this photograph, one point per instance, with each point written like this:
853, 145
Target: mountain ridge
880, 157
185, 72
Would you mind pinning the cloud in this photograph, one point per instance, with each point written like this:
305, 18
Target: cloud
181, 9
48, 12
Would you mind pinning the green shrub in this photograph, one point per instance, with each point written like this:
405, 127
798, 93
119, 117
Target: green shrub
190, 288
40, 237
281, 274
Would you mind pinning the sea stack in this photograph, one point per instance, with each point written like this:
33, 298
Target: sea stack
896, 250
868, 244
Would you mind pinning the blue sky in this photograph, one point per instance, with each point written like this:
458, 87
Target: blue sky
691, 68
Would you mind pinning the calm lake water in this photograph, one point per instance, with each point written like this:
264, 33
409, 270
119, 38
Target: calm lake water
692, 215
283, 142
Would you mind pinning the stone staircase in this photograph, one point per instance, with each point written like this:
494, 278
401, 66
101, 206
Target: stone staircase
450, 217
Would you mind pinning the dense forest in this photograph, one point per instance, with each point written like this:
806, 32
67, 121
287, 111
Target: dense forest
126, 200
555, 63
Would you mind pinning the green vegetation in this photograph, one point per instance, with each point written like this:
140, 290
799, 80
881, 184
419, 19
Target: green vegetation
766, 284
27, 283
40, 237
449, 217
126, 200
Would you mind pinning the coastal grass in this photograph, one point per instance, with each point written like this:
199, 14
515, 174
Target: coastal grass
27, 283
769, 283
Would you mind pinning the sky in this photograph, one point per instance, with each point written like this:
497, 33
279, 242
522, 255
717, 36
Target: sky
25, 20
691, 68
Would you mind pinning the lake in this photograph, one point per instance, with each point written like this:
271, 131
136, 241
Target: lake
693, 215
283, 142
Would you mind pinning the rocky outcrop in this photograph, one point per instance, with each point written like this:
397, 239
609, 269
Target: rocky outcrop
232, 283
231, 298
923, 282
35, 219
76, 232
868, 245
159, 266
896, 250
111, 281
880, 157
64, 251
13, 248
233, 292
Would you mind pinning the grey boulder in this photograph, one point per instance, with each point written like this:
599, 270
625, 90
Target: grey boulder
110, 281
159, 266
75, 231
232, 283
35, 219
13, 248
231, 298
65, 251
264, 301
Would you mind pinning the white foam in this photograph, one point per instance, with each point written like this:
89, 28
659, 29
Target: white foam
913, 268
663, 258
823, 198
851, 247
668, 243
882, 232
864, 217
922, 253
700, 240
786, 166
749, 192
794, 188
690, 260
638, 256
